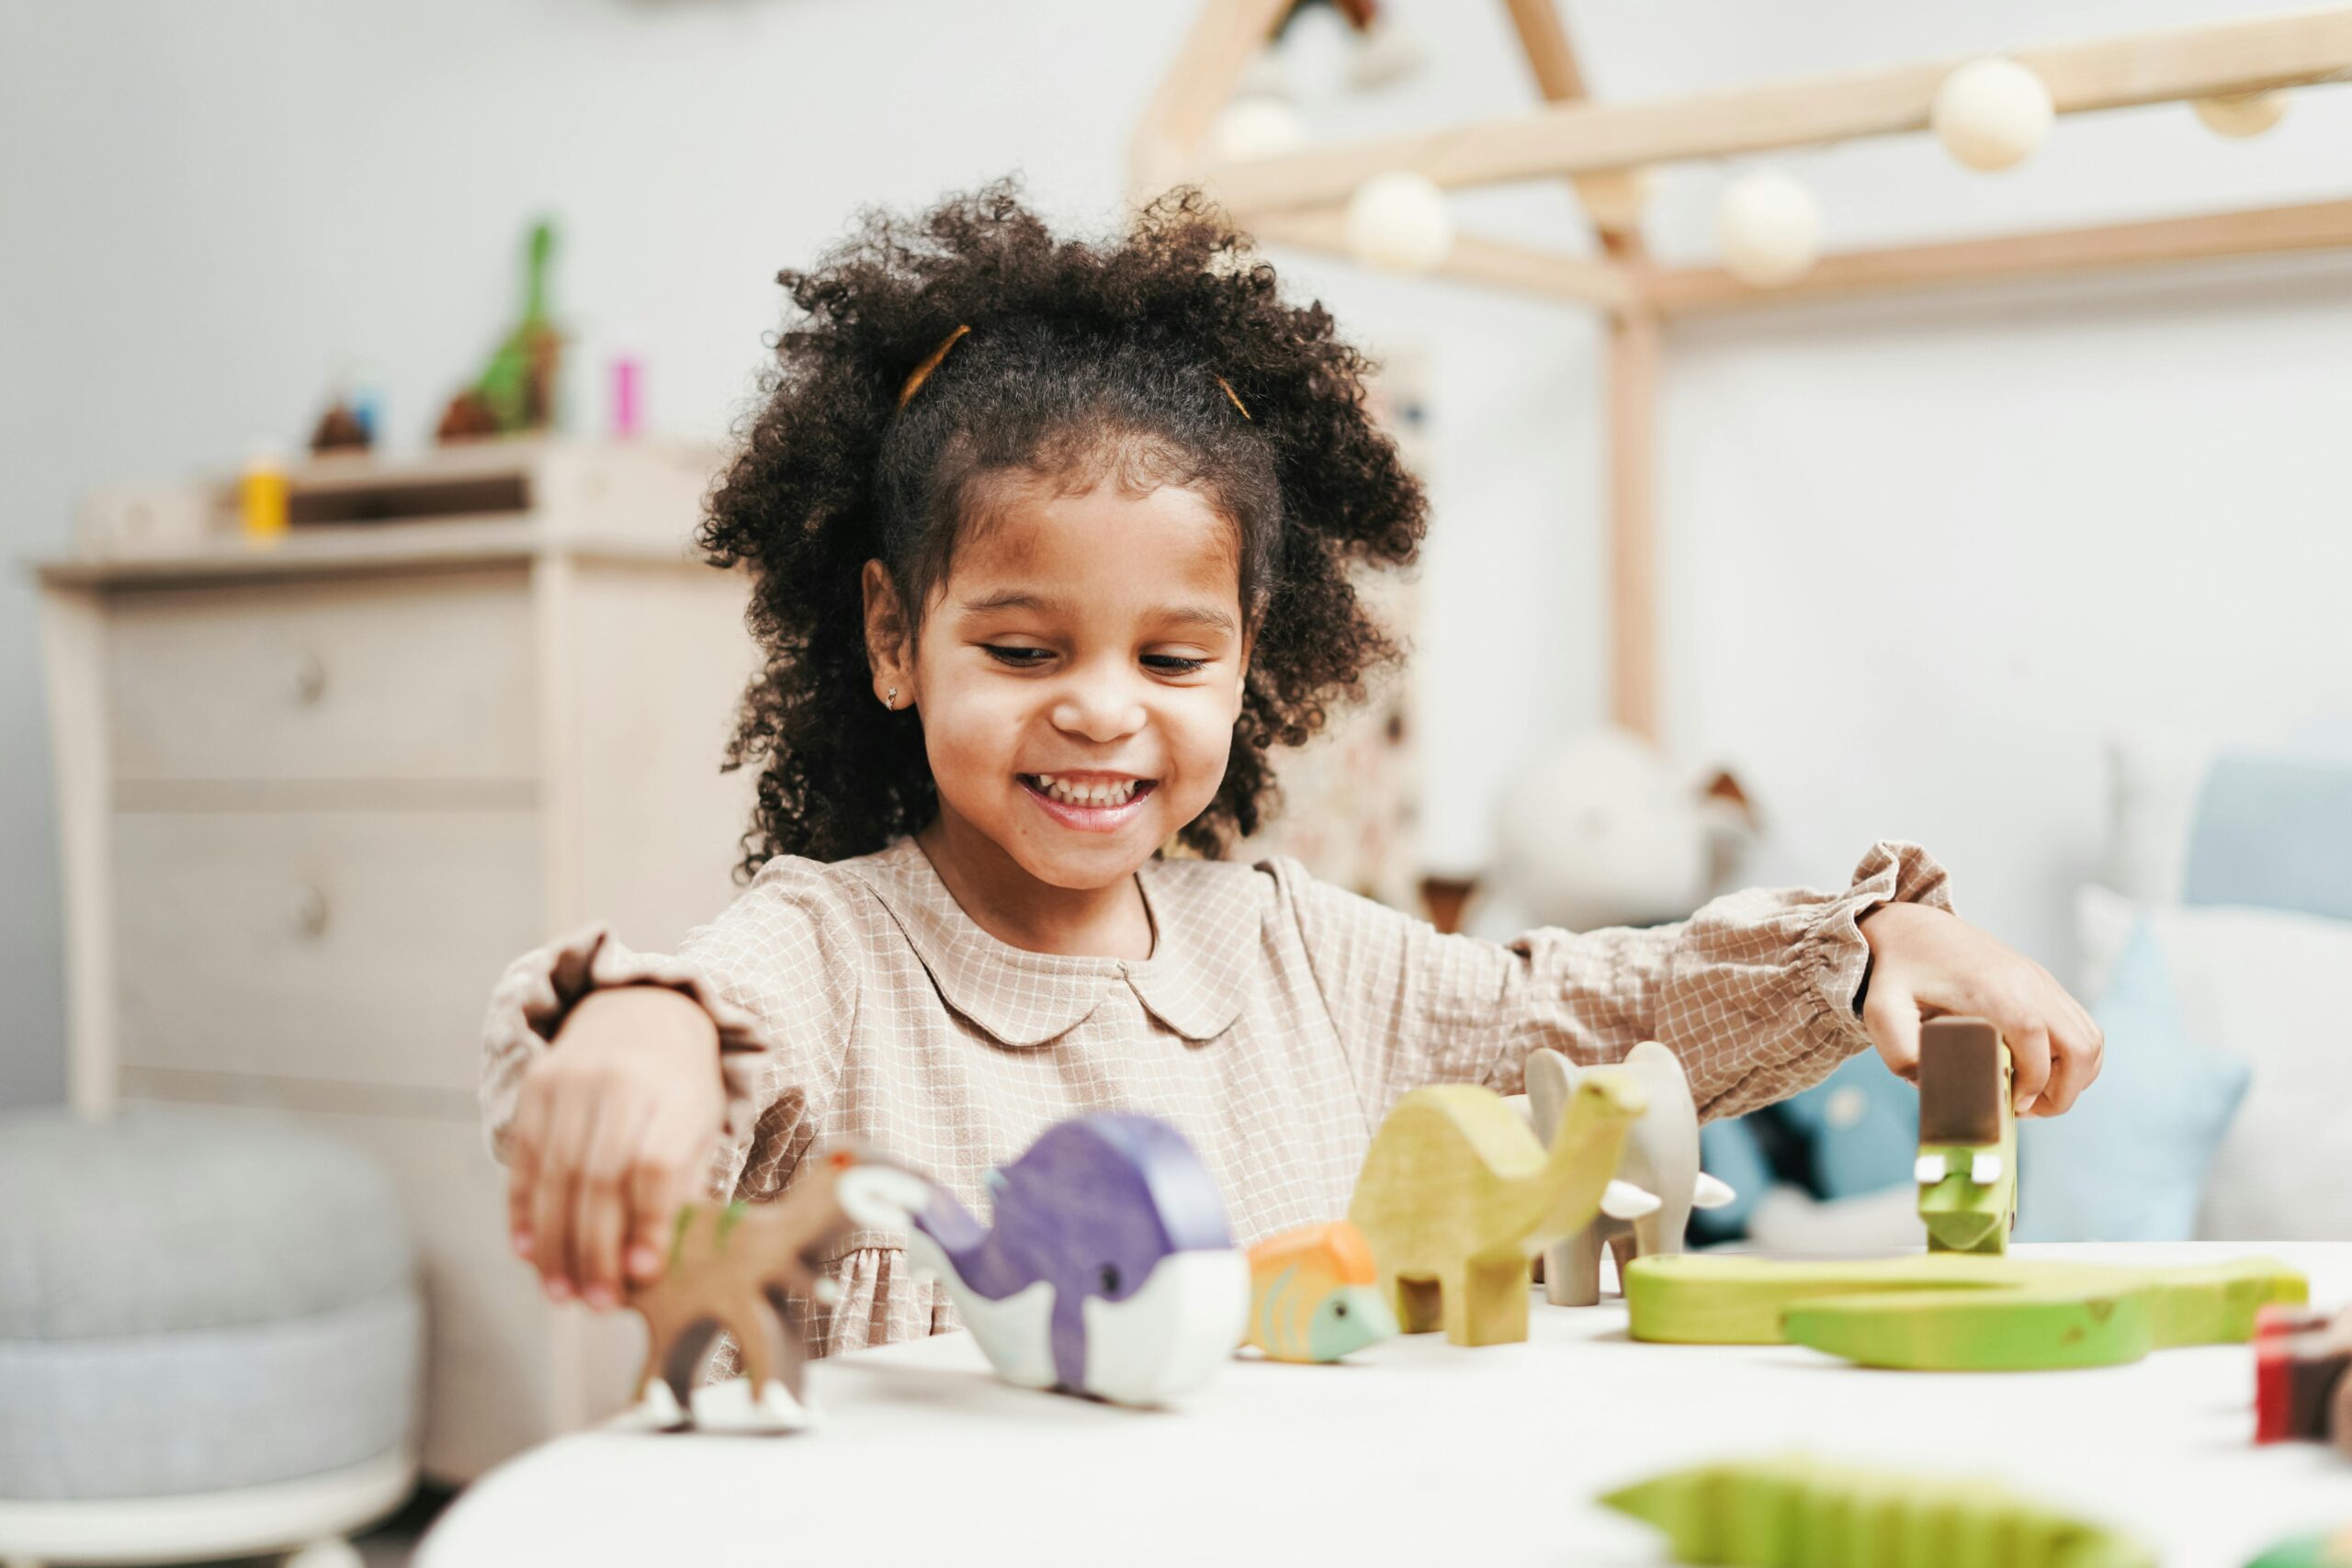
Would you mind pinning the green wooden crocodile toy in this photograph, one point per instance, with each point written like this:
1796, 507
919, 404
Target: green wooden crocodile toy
1955, 1310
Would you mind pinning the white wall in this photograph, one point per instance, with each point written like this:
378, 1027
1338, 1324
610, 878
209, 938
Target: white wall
1917, 557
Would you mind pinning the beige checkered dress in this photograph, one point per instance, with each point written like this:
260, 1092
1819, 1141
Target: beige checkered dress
1276, 1023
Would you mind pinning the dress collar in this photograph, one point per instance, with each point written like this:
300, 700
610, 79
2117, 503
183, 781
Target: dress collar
1205, 919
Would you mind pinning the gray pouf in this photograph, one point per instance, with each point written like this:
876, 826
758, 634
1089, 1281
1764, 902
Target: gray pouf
194, 1303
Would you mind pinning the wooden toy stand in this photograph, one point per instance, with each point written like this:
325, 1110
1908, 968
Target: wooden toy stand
1300, 198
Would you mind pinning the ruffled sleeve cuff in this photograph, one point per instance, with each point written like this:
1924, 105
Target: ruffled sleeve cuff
1746, 1047
1835, 956
538, 992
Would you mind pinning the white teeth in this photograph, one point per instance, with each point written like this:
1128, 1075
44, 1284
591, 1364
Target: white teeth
1095, 795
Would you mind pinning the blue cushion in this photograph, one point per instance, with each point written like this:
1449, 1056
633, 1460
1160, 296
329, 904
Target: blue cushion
2128, 1162
1856, 1131
2275, 832
1862, 1125
1729, 1150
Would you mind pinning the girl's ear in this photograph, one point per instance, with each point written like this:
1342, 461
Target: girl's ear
889, 640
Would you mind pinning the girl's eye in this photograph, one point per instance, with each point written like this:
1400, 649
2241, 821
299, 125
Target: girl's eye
1031, 658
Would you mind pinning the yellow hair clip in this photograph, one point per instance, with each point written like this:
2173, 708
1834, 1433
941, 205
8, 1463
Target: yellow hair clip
1235, 396
922, 372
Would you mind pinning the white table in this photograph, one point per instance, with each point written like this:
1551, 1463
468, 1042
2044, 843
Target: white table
1414, 1452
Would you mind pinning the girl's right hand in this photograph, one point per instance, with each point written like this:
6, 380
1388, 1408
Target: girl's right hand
613, 1127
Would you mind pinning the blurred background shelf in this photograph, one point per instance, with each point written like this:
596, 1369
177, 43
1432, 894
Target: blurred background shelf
317, 791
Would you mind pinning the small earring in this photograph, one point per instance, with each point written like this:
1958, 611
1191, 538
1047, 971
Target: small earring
891, 702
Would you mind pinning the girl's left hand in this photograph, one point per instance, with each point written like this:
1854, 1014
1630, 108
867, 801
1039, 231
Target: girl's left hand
1926, 961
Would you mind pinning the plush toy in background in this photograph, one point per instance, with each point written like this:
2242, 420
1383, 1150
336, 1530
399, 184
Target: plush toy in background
1661, 1157
515, 391
1315, 1294
1601, 832
1380, 52
1829, 1169
1457, 1197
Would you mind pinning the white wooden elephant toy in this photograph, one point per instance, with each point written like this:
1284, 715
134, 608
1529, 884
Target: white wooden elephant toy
1661, 1157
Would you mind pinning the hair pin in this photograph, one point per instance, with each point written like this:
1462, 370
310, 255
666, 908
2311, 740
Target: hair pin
932, 362
922, 372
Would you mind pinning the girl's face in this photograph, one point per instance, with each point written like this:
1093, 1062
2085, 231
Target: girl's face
1079, 674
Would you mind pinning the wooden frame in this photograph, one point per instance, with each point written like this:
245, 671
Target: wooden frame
1299, 198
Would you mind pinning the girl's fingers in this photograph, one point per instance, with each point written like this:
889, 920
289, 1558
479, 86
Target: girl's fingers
656, 1188
600, 1217
2066, 1081
572, 1123
2029, 1051
1891, 1013
524, 1140
2076, 1052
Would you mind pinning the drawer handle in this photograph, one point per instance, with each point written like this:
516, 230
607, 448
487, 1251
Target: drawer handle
308, 680
308, 913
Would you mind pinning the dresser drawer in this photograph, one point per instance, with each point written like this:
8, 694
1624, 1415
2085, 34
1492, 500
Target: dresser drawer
427, 676
355, 946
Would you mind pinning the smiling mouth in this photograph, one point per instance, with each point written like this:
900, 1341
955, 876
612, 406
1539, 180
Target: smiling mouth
1088, 795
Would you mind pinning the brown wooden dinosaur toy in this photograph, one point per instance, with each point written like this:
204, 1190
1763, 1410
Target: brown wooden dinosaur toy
738, 1268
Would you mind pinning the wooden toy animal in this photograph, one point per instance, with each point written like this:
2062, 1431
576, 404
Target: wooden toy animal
738, 1268
1661, 1157
1456, 1195
2302, 1377
1953, 1311
1315, 1294
1108, 1270
1968, 1136
1771, 1512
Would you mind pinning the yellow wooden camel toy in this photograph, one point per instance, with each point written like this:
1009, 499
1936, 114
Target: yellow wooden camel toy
1457, 1196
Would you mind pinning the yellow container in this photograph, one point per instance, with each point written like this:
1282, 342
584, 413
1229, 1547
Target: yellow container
263, 497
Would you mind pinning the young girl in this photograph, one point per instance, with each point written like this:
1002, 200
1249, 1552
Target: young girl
1052, 545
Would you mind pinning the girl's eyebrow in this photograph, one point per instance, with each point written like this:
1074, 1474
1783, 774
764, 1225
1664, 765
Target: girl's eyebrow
1045, 604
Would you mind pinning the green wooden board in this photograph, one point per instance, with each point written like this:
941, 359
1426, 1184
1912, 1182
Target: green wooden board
1800, 1513
1953, 1311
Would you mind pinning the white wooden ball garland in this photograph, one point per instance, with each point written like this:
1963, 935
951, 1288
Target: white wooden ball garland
1257, 126
1769, 228
1992, 114
2241, 114
1399, 221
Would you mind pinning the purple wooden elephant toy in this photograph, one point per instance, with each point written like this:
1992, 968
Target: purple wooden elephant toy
1108, 1270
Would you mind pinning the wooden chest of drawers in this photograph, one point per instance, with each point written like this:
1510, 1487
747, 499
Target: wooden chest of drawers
315, 795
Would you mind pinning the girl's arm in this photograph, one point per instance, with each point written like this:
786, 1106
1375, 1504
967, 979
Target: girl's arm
763, 998
1757, 992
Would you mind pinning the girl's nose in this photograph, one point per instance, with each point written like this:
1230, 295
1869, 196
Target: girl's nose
1101, 709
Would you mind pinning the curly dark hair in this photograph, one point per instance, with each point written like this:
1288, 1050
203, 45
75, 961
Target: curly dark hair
1082, 359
